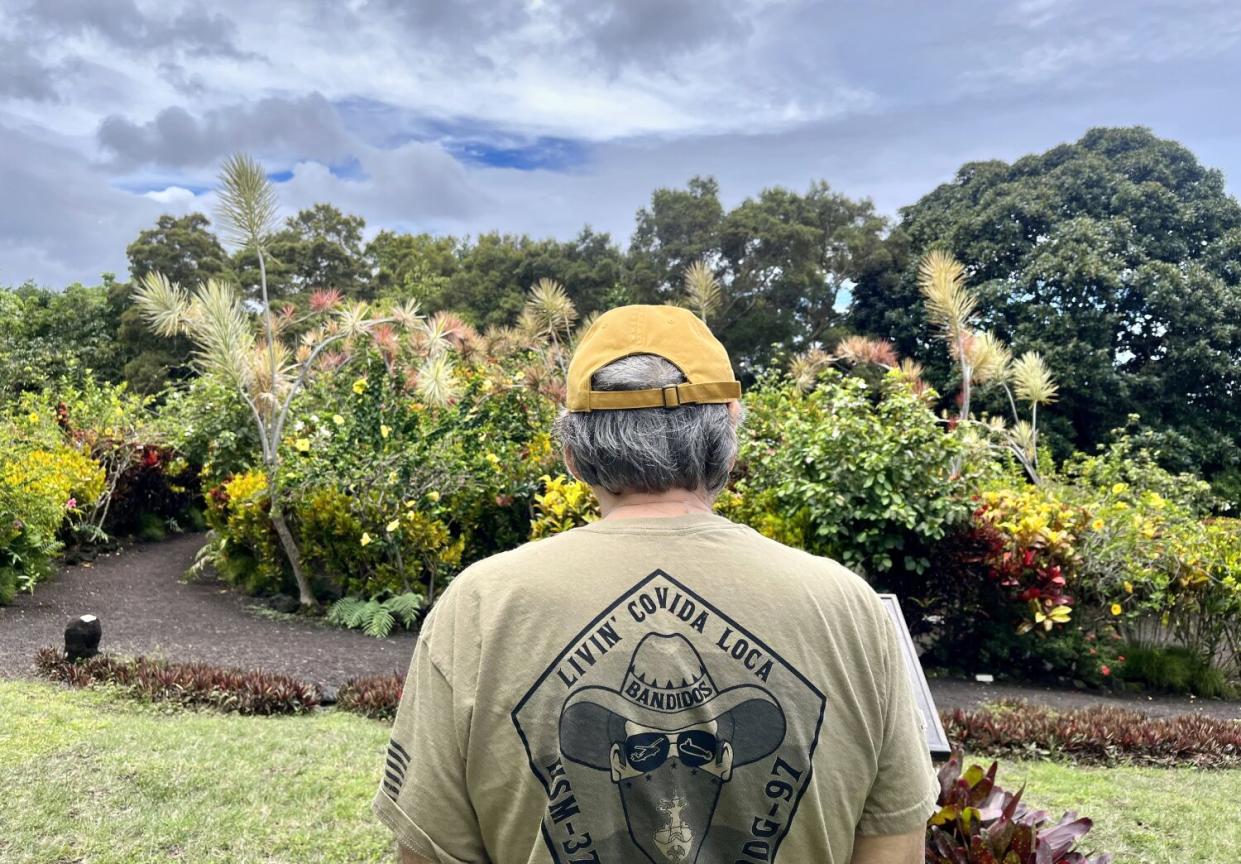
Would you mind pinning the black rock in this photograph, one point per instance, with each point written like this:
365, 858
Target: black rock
284, 603
82, 637
327, 695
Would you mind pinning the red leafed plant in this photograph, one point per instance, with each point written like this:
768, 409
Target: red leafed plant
980, 823
376, 696
189, 684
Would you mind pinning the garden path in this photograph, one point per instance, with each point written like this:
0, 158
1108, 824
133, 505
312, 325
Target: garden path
146, 609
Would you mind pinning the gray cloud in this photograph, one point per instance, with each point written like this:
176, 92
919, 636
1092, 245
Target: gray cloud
25, 76
654, 31
307, 126
122, 23
63, 221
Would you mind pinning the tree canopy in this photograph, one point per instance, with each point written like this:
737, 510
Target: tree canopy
1117, 258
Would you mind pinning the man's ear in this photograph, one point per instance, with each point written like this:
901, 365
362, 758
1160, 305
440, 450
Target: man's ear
570, 464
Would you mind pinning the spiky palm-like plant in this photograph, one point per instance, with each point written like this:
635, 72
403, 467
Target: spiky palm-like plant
262, 367
702, 290
984, 360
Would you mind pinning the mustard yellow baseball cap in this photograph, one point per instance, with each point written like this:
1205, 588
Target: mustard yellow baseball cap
671, 332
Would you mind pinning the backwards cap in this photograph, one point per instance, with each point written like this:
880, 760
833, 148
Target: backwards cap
670, 332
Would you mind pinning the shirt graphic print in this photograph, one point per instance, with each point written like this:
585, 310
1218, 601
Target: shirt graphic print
680, 737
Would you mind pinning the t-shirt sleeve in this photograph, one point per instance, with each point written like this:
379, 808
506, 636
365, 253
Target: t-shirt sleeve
423, 796
905, 790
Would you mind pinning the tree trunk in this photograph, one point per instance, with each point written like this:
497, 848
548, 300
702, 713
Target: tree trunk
305, 596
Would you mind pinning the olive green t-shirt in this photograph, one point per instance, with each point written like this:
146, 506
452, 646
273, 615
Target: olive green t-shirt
667, 690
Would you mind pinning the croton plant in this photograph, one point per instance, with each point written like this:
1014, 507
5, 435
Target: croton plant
980, 823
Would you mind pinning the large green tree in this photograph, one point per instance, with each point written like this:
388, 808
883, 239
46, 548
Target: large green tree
785, 261
46, 334
187, 252
1117, 258
320, 247
495, 273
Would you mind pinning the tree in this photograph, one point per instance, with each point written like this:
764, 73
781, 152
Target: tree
266, 371
47, 334
680, 227
412, 266
784, 261
319, 248
1115, 258
495, 272
186, 252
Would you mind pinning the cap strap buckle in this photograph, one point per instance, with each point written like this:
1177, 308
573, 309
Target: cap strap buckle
676, 396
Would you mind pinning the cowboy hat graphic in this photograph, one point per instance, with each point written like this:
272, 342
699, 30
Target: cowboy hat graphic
667, 687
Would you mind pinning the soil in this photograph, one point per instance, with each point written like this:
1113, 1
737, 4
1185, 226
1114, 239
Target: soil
145, 608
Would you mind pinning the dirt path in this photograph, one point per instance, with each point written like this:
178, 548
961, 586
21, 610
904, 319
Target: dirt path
951, 693
145, 609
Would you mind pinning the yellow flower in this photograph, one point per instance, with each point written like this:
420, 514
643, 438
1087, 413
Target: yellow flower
1117, 609
409, 505
393, 525
365, 539
392, 476
1120, 488
359, 386
1097, 525
415, 406
338, 420
1128, 587
302, 445
384, 430
493, 458
433, 496
33, 417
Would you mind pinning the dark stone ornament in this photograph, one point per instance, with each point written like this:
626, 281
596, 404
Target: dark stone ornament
82, 637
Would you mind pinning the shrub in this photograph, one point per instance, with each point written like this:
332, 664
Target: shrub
245, 549
980, 823
187, 684
42, 490
1173, 669
1097, 734
376, 617
1037, 558
868, 478
563, 504
376, 696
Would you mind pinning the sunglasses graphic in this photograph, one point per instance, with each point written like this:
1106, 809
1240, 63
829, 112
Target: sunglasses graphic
646, 751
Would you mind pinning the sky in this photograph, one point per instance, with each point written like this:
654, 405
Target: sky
542, 116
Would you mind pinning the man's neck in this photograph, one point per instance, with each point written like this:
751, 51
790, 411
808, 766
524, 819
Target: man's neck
674, 502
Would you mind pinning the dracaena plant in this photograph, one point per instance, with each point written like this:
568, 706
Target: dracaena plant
984, 360
263, 360
980, 823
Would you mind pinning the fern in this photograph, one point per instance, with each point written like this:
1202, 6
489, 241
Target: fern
375, 617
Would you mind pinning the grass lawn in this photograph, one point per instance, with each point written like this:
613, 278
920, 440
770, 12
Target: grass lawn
89, 777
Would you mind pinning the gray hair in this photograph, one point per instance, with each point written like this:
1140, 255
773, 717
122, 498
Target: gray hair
649, 449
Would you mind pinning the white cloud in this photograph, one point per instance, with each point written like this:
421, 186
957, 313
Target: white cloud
175, 197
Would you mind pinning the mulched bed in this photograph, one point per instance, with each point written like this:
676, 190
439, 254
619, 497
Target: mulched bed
145, 609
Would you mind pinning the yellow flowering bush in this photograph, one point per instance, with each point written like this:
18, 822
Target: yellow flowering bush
564, 503
1036, 558
365, 545
247, 552
40, 489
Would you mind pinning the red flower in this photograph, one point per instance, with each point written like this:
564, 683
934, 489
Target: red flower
1028, 558
1105, 669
